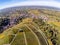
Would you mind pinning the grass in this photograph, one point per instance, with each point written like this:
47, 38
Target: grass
35, 12
50, 42
5, 38
31, 39
2, 36
19, 39
55, 24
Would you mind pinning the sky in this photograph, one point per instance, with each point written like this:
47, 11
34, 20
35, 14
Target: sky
11, 3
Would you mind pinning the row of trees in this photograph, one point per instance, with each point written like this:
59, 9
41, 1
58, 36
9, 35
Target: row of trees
4, 22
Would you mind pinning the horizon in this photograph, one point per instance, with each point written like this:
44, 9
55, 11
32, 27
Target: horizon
12, 3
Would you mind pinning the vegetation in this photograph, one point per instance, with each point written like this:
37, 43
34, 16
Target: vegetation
48, 21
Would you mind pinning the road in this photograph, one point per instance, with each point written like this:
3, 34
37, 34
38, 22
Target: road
34, 34
40, 35
25, 38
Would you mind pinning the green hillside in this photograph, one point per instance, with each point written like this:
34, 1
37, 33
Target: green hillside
30, 27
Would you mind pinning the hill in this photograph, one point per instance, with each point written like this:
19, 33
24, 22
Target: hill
30, 25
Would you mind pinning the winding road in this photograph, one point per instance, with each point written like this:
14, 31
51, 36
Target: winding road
39, 34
